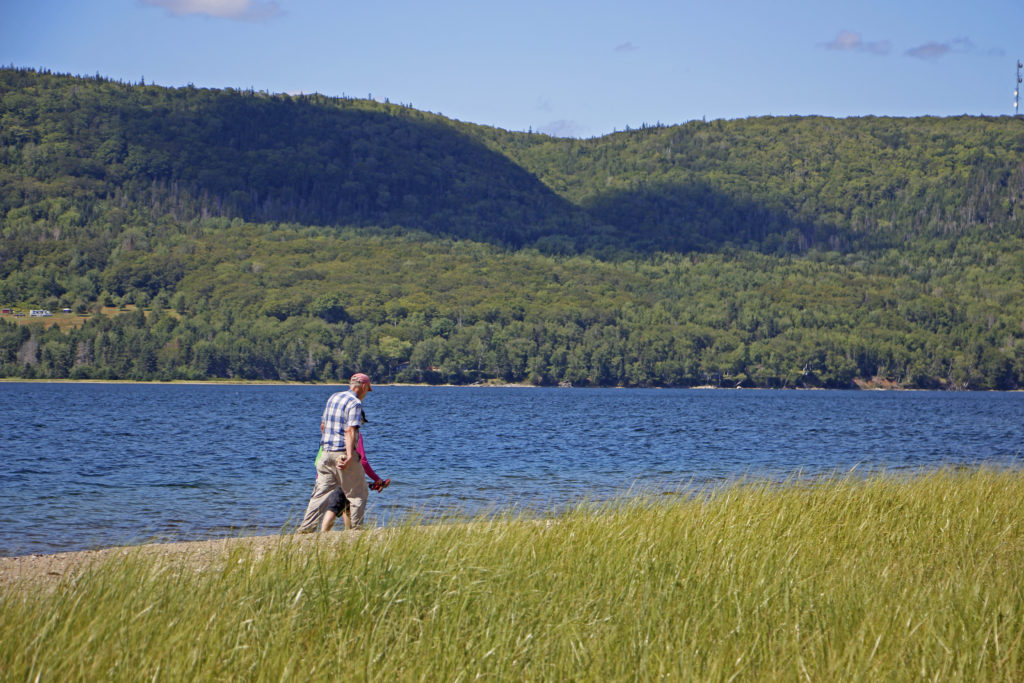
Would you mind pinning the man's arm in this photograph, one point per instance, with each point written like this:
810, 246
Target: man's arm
351, 437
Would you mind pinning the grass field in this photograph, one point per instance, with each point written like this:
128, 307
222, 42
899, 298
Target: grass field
916, 578
66, 321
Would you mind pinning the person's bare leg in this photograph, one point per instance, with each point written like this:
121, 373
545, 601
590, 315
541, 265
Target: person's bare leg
328, 521
347, 519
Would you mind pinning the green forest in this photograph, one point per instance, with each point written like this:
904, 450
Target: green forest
252, 236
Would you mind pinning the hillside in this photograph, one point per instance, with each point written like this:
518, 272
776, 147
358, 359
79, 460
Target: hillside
785, 185
280, 237
771, 184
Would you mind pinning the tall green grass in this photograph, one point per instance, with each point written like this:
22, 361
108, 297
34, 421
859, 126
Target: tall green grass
843, 579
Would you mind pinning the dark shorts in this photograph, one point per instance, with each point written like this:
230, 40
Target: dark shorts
338, 503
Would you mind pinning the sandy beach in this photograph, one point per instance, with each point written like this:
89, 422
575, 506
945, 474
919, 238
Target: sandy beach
49, 570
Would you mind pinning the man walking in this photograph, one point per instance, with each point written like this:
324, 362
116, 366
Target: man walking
340, 468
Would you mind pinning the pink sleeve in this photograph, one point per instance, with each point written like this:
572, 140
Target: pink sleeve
362, 458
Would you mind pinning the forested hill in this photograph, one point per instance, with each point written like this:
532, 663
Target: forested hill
80, 151
784, 185
199, 234
105, 151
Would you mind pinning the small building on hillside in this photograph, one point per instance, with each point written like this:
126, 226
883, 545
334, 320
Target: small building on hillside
39, 314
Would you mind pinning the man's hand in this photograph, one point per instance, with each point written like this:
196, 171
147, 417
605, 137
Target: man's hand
380, 484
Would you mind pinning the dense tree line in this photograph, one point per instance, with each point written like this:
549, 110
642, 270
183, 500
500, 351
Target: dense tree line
301, 238
291, 303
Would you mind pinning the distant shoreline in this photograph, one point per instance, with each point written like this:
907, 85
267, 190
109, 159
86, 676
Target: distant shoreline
502, 385
260, 382
859, 387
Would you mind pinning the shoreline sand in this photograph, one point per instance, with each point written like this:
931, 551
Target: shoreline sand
49, 570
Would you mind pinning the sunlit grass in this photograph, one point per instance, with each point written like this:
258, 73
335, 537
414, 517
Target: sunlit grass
843, 579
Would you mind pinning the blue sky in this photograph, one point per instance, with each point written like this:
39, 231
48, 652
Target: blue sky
579, 69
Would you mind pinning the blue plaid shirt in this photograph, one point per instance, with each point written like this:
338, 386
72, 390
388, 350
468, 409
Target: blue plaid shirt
344, 409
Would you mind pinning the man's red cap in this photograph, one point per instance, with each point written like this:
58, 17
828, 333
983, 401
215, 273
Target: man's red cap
360, 378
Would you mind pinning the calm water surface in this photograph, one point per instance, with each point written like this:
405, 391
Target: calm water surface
87, 465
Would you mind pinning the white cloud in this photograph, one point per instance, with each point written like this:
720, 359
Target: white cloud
851, 41
245, 10
562, 128
930, 50
933, 50
628, 46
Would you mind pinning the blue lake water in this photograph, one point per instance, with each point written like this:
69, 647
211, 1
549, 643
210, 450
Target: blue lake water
89, 465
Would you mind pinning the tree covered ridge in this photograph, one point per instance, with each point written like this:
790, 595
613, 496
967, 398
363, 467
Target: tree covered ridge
779, 185
109, 152
303, 238
782, 185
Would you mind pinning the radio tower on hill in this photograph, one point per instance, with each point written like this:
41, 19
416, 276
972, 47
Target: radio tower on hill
1016, 90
